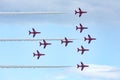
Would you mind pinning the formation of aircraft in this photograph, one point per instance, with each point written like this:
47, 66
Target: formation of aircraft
82, 66
89, 39
82, 50
34, 32
81, 28
38, 54
80, 12
44, 43
66, 41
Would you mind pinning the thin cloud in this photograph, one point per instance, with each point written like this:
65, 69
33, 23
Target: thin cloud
60, 77
99, 72
98, 11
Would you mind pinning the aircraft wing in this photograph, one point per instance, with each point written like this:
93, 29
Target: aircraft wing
33, 35
82, 63
82, 47
33, 29
38, 57
81, 25
81, 30
66, 41
66, 44
82, 68
44, 46
89, 36
65, 38
37, 51
89, 41
82, 52
80, 10
44, 41
80, 15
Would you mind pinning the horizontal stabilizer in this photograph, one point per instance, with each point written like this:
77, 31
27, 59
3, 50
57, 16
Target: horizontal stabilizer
75, 12
33, 54
78, 49
40, 43
61, 41
30, 32
78, 65
77, 28
85, 38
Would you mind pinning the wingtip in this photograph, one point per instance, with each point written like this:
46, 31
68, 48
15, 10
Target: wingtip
82, 47
80, 24
81, 63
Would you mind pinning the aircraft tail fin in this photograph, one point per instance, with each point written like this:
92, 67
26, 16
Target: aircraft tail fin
85, 38
30, 32
33, 54
76, 27
61, 41
75, 12
78, 66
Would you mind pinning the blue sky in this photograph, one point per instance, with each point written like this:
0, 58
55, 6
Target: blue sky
102, 21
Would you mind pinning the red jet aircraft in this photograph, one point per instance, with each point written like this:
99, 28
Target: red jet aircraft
34, 32
66, 41
82, 49
89, 39
81, 28
82, 66
44, 43
80, 12
38, 54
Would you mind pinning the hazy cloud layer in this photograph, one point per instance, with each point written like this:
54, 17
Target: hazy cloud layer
98, 11
102, 72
